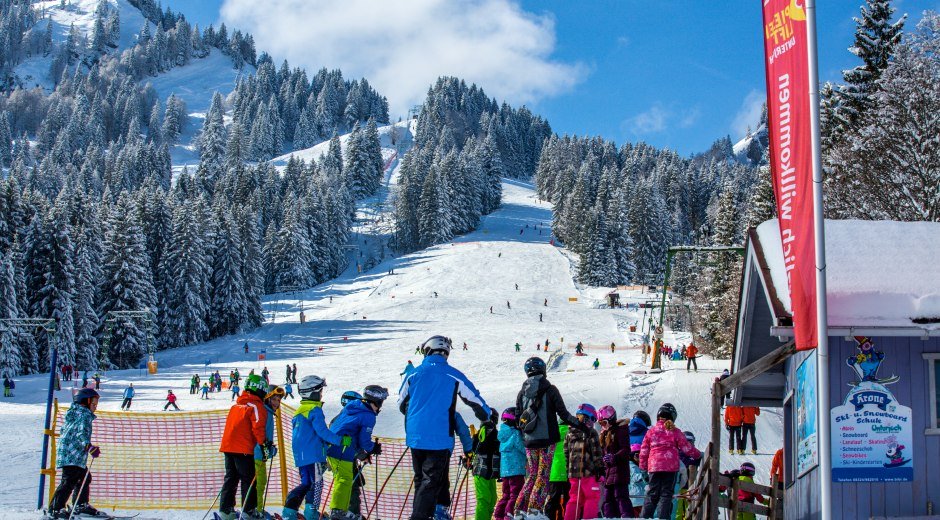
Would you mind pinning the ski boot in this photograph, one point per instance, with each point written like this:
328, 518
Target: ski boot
225, 516
753, 452
86, 511
535, 514
251, 515
289, 514
310, 513
57, 515
441, 513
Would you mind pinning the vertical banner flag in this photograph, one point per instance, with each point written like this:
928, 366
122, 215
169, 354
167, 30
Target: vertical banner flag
791, 161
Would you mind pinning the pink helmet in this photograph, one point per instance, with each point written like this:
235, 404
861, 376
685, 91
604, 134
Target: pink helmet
607, 413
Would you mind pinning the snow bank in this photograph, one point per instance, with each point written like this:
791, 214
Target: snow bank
878, 273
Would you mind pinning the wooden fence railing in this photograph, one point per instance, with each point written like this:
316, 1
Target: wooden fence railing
702, 499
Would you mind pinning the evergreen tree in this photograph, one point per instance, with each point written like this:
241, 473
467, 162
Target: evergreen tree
212, 145
227, 304
188, 266
10, 364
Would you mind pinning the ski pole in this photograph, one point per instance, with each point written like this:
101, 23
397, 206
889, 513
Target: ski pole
248, 494
459, 491
405, 501
78, 494
267, 486
212, 506
390, 473
328, 491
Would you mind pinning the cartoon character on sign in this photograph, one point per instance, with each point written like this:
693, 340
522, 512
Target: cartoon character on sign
895, 455
867, 362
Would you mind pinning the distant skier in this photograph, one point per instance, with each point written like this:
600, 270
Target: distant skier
264, 375
97, 381
6, 387
597, 363
465, 346
288, 391
235, 391
293, 378
246, 347
72, 452
170, 401
491, 309
517, 287
409, 368
287, 378
545, 303
579, 349
205, 390
540, 317
128, 397
749, 416
613, 347
691, 352
507, 305
193, 385
85, 379
518, 347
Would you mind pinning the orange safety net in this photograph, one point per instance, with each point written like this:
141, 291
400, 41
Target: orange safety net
171, 460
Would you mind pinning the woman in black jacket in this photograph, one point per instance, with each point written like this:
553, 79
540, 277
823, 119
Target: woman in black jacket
540, 405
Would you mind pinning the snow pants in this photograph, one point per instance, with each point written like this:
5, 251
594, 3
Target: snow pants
486, 497
261, 481
126, 405
309, 490
691, 363
239, 470
617, 502
355, 497
558, 495
430, 467
72, 477
585, 492
511, 488
659, 494
745, 430
734, 438
538, 470
342, 483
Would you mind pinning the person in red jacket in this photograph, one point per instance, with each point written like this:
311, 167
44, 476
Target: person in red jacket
170, 401
244, 429
750, 414
776, 468
692, 353
734, 418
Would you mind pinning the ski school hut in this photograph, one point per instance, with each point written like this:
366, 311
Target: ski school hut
883, 295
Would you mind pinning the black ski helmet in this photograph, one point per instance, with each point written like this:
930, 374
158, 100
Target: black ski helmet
645, 417
747, 469
349, 395
667, 411
375, 394
534, 366
83, 394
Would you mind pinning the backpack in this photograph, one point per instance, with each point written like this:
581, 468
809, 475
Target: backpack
529, 418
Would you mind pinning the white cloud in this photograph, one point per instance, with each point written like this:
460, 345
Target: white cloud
749, 114
659, 118
403, 47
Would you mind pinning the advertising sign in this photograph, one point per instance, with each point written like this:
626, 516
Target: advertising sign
807, 448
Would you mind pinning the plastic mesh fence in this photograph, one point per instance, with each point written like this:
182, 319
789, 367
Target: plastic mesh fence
171, 460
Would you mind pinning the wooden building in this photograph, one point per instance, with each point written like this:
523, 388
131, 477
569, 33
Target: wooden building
884, 337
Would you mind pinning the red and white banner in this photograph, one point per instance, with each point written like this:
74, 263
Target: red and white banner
786, 50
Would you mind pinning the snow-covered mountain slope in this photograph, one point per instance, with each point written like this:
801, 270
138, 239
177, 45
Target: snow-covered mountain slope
749, 149
34, 71
363, 328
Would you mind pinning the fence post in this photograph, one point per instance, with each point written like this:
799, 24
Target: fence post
715, 462
281, 453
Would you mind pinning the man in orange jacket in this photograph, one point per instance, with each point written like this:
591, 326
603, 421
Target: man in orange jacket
776, 468
244, 429
691, 352
734, 418
749, 417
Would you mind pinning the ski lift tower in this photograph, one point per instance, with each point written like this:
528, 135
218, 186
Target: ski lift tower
672, 252
49, 326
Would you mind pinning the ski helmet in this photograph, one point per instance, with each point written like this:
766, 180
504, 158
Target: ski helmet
83, 394
667, 411
256, 385
310, 387
689, 436
645, 417
436, 344
747, 469
375, 394
607, 413
588, 411
349, 395
534, 366
509, 414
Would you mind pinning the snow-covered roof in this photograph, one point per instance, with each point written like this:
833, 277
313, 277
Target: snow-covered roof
878, 273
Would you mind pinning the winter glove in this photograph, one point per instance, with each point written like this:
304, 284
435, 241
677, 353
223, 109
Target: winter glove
376, 449
268, 450
608, 459
364, 456
467, 460
94, 451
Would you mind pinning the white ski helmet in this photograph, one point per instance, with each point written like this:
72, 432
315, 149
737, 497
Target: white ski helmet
436, 344
311, 385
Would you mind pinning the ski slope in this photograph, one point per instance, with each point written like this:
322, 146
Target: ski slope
363, 328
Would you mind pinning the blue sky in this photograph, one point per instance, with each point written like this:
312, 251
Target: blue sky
675, 74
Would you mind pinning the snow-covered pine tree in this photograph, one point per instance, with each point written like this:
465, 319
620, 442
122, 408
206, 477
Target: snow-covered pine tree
6, 141
187, 263
356, 170
212, 144
10, 363
227, 290
174, 118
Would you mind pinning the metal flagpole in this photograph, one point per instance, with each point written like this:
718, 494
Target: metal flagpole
822, 349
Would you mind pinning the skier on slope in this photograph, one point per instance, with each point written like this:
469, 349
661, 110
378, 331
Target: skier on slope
427, 398
310, 437
205, 390
355, 422
244, 430
409, 368
267, 451
170, 401
128, 397
72, 452
541, 404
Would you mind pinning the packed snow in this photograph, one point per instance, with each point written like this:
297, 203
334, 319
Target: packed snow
363, 328
878, 273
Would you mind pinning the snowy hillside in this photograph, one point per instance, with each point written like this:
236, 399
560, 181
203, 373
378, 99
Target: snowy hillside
34, 71
363, 328
749, 149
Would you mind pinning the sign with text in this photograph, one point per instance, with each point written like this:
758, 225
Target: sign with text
807, 448
786, 50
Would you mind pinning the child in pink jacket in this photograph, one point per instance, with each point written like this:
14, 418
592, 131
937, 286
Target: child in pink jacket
659, 455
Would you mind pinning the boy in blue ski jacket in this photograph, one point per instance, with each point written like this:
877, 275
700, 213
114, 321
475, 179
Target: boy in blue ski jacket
267, 451
72, 457
354, 424
311, 437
